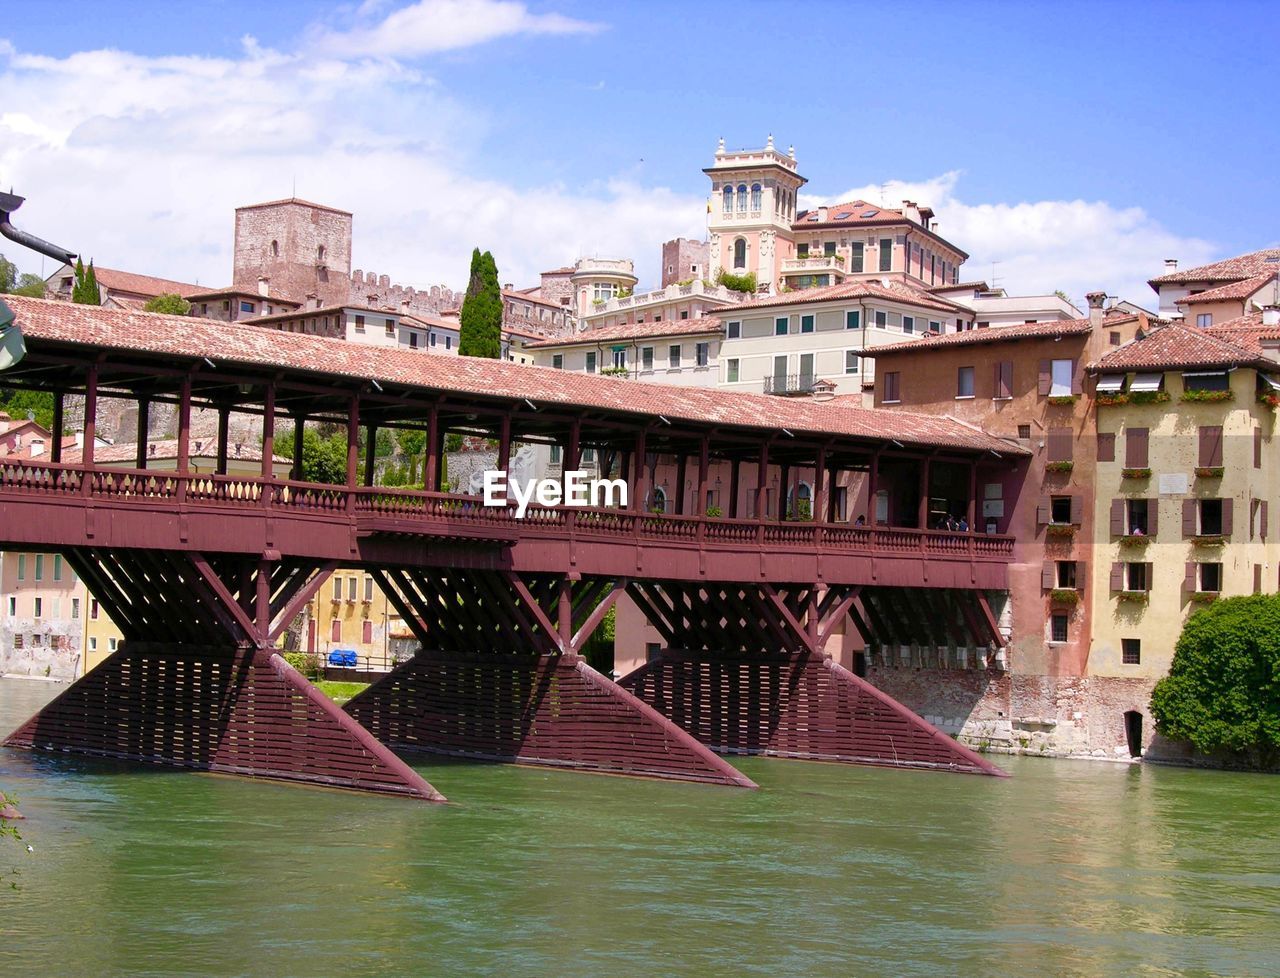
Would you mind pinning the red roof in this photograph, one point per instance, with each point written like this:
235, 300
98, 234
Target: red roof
114, 280
1247, 331
180, 336
1242, 289
1176, 346
1227, 270
992, 334
862, 289
636, 331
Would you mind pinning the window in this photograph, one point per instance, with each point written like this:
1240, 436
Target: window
366, 631
755, 196
781, 325
75, 609
22, 567
1204, 319
882, 319
740, 253
39, 567
1138, 521
413, 340
646, 357
1210, 446
1110, 384
806, 370
652, 650
620, 358
94, 609
728, 201
1060, 378
673, 356
246, 306
1213, 380
855, 256
13, 606
359, 324
964, 382
886, 254
1060, 445
1136, 577
448, 342
112, 644
734, 330
39, 608
1066, 574
850, 361
1004, 380
853, 319
659, 504
1147, 382
57, 567
389, 327
908, 324
1058, 627
892, 391
320, 253
591, 361
703, 353
802, 250
1135, 448
431, 340
93, 644
353, 585
742, 197
829, 249
806, 324
935, 326
1060, 509
588, 456
1211, 521
1131, 651
555, 454
337, 589
1210, 577
731, 371
335, 630
368, 589
1024, 431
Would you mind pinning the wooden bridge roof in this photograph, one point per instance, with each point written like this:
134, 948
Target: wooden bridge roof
102, 329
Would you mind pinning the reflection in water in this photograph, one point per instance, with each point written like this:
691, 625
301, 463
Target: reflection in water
1068, 868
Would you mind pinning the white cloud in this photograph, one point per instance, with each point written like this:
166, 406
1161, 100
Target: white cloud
432, 26
1040, 246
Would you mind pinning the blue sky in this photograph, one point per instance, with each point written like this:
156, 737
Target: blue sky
1077, 144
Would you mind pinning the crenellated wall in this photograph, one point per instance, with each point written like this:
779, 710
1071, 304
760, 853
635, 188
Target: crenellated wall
379, 292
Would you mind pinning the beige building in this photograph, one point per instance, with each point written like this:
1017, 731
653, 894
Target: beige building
1212, 294
681, 352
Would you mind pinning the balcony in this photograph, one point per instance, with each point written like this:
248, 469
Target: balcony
814, 265
642, 301
790, 385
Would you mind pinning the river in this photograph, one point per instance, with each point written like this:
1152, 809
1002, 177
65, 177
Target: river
1066, 868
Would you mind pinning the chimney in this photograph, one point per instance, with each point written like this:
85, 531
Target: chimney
510, 286
1271, 315
263, 285
1171, 264
822, 215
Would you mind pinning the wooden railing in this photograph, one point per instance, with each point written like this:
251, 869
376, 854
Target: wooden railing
408, 507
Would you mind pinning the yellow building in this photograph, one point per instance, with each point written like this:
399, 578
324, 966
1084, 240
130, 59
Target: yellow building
350, 611
101, 636
1187, 469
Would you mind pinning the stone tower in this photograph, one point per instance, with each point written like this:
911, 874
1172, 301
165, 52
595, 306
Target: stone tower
294, 249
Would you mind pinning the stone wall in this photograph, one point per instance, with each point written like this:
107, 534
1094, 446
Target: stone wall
56, 657
379, 292
301, 249
679, 257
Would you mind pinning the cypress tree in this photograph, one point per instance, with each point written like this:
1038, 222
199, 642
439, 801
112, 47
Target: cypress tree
85, 290
480, 334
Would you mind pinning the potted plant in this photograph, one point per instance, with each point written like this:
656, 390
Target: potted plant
1142, 473
1209, 471
1061, 467
714, 511
1134, 540
1148, 397
1133, 597
1064, 596
1060, 530
1111, 398
1061, 399
1208, 397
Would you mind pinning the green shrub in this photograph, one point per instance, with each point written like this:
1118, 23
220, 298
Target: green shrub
307, 663
737, 283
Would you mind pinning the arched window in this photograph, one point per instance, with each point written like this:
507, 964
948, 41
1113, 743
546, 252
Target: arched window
275, 249
320, 253
728, 200
742, 197
755, 196
740, 253
658, 501
800, 502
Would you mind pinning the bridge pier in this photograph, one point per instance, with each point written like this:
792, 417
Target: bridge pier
502, 680
745, 672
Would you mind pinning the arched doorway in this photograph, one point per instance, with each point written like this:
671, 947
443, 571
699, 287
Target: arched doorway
1133, 732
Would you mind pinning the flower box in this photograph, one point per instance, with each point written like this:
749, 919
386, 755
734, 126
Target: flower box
1134, 597
1209, 471
1135, 473
1134, 540
1148, 397
1111, 400
1064, 596
1059, 466
1271, 400
1208, 397
1060, 530
1203, 597
1209, 540
1061, 399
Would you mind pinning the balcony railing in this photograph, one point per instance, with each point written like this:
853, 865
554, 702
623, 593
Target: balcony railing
790, 384
813, 263
433, 513
672, 293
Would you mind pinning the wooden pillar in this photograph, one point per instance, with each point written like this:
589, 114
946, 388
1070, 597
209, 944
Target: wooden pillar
784, 490
682, 471
299, 429
91, 417
262, 604
704, 467
923, 518
431, 461
224, 425
573, 450
565, 616
820, 491
833, 474
370, 452
873, 479
268, 432
55, 447
504, 444
735, 473
141, 431
353, 440
184, 426
762, 483
640, 475
973, 497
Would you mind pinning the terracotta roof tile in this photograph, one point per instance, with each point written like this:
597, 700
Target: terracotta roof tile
1241, 289
1247, 331
115, 280
179, 336
864, 289
1176, 346
635, 331
1227, 270
993, 334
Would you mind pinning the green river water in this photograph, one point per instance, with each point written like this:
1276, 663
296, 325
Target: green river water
1067, 868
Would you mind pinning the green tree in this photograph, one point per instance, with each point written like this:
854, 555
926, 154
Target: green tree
8, 274
85, 291
480, 333
738, 283
30, 285
39, 404
1223, 688
324, 458
170, 303
412, 444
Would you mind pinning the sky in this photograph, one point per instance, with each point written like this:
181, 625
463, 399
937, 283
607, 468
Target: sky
1064, 145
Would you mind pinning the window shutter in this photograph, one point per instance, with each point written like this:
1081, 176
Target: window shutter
1188, 518
1117, 576
1046, 377
1153, 516
1257, 578
1047, 575
1117, 517
1077, 509
1077, 380
1135, 448
1226, 516
1210, 445
1043, 510
1080, 575
1257, 448
1106, 446
1189, 578
1004, 378
1148, 576
1059, 445
1262, 521
999, 384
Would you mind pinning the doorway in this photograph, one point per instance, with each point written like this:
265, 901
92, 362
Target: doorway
1133, 732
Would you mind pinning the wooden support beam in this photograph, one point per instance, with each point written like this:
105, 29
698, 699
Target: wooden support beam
184, 426
762, 483
923, 516
224, 425
55, 448
431, 463
353, 440
989, 618
210, 577
299, 430
141, 433
593, 620
90, 420
268, 434
835, 615
704, 468
370, 453
530, 603
820, 489
735, 473
682, 470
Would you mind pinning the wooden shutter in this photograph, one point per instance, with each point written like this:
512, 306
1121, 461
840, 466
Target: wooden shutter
1189, 578
1117, 518
1117, 576
1004, 378
1106, 446
1226, 516
1046, 377
1210, 445
1257, 578
1135, 448
1077, 378
1048, 575
1077, 509
1060, 445
1188, 518
1044, 509
1149, 576
1257, 448
1080, 575
1262, 521
1153, 516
